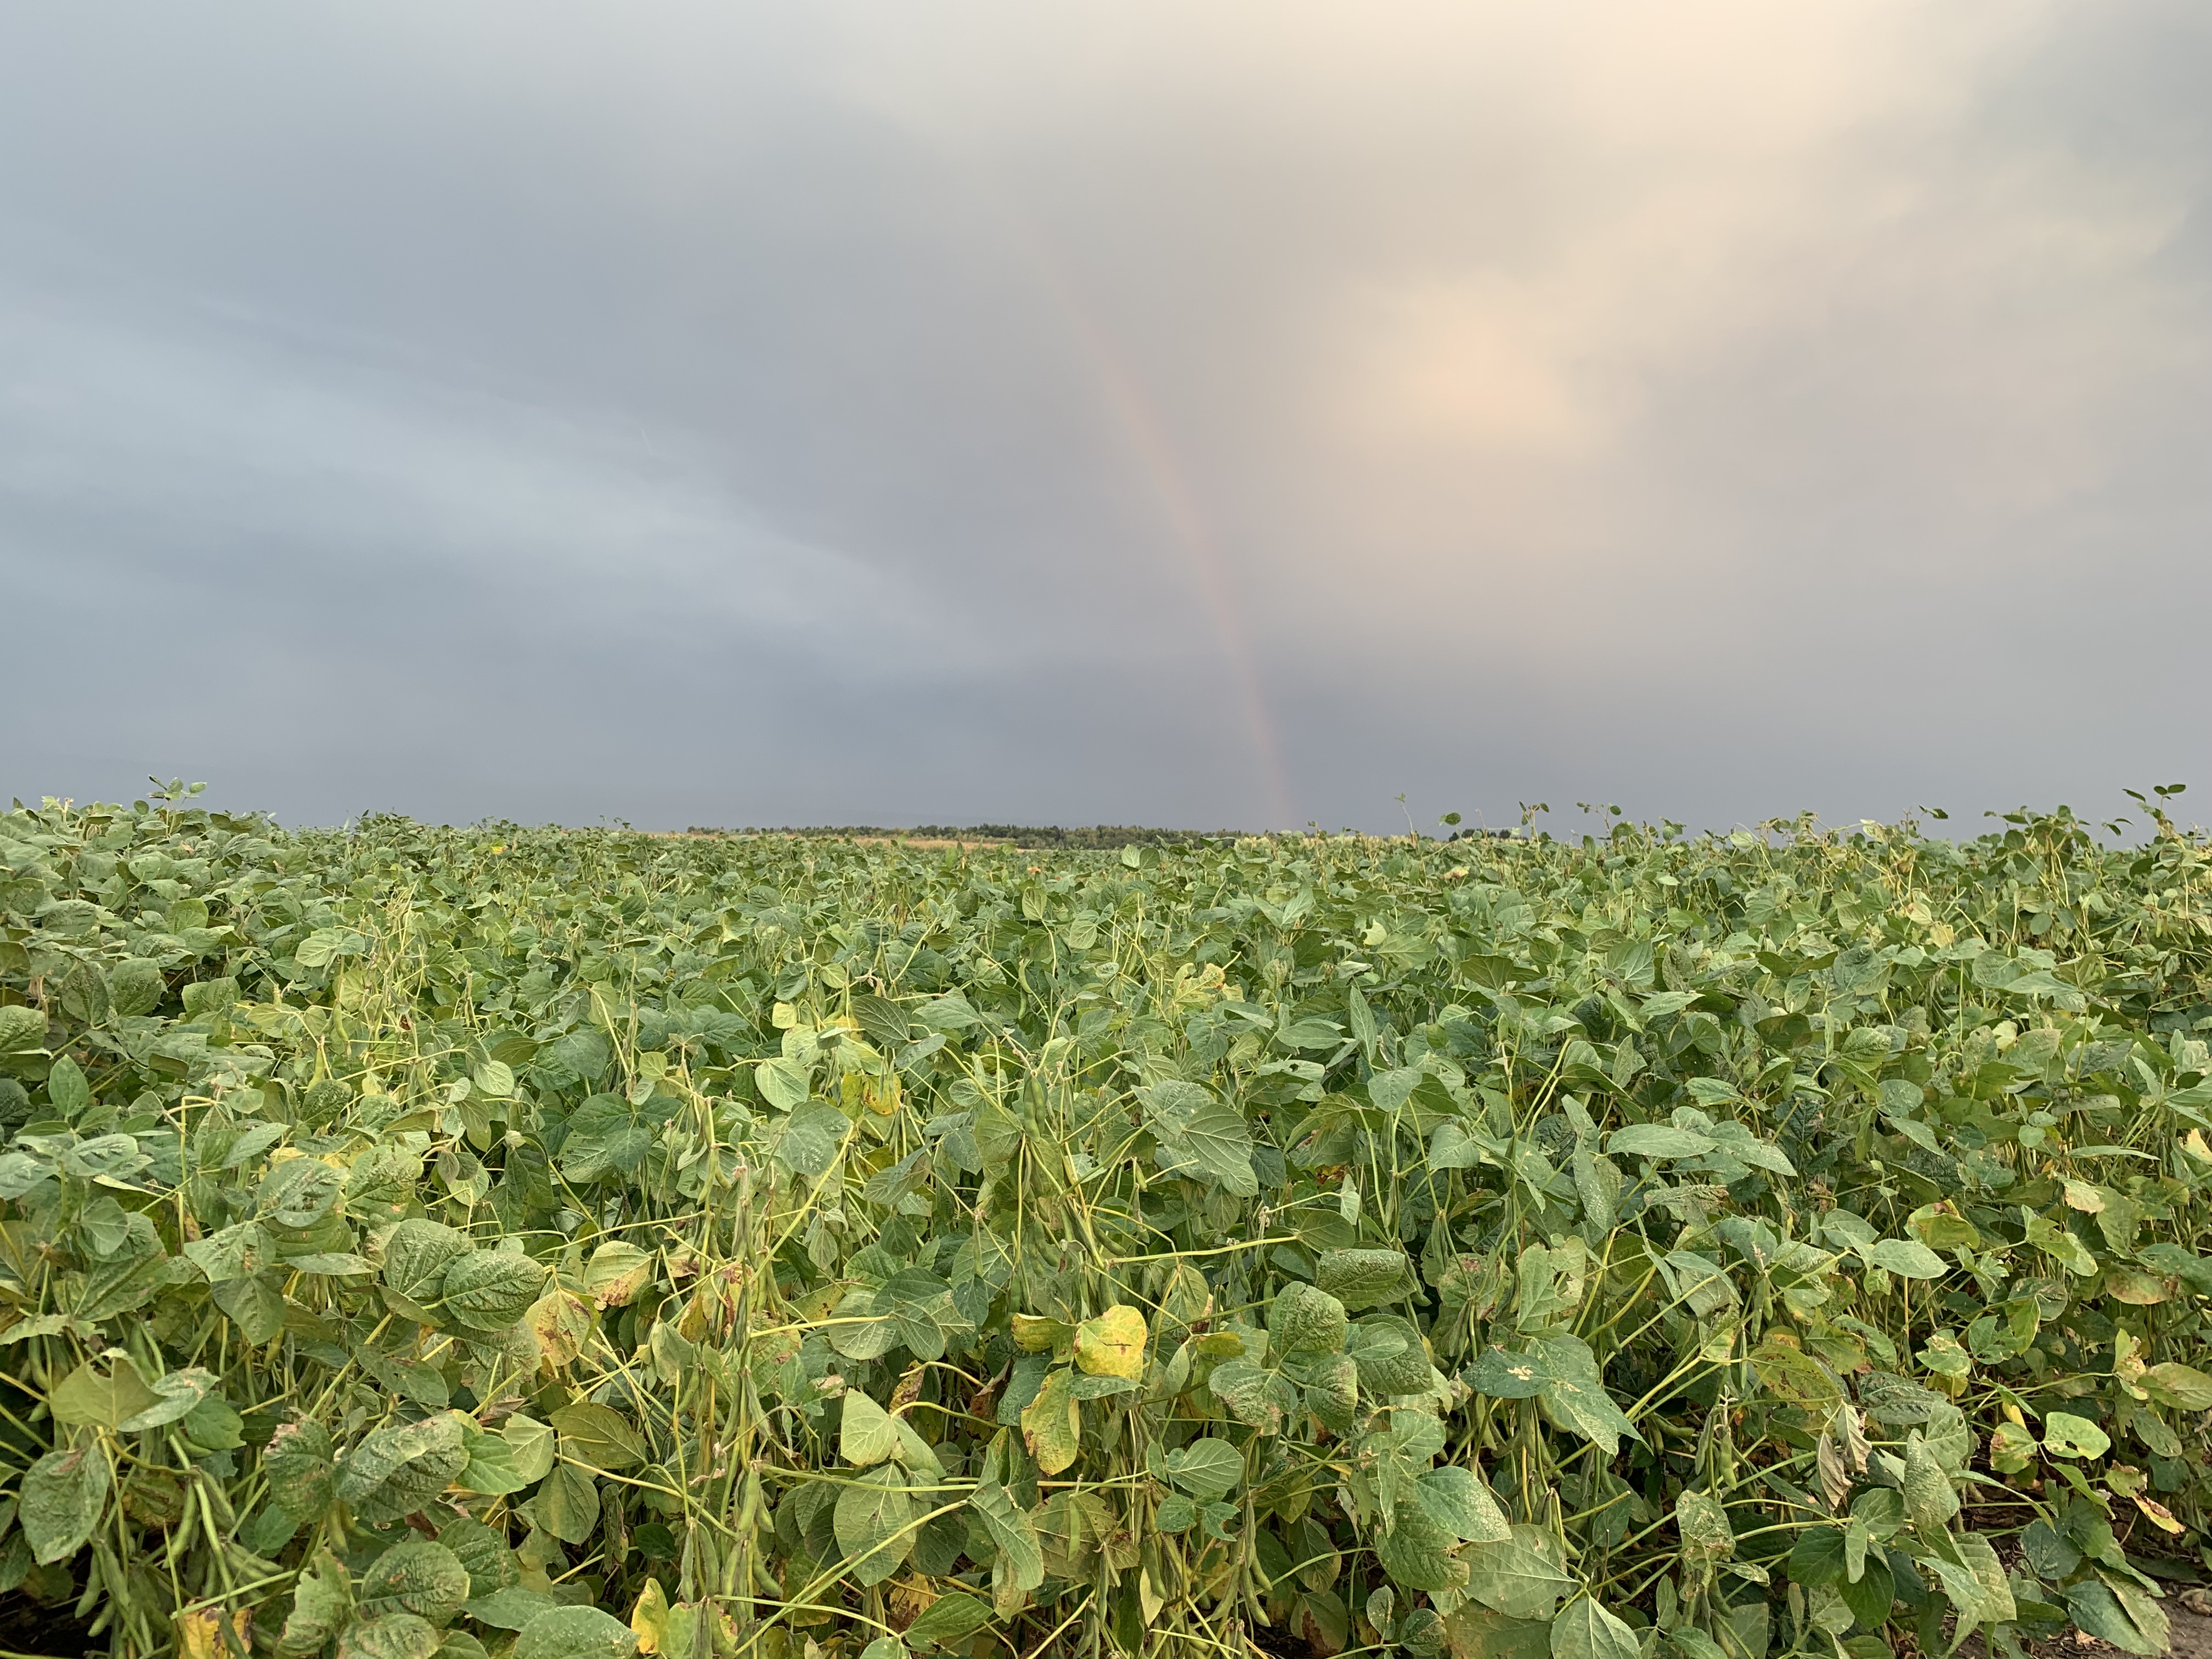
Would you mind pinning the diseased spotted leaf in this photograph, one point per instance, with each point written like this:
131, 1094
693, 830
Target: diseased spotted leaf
419, 1576
395, 1471
301, 1475
1306, 1319
416, 1256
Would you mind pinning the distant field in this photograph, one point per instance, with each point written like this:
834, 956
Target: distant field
1099, 837
429, 1243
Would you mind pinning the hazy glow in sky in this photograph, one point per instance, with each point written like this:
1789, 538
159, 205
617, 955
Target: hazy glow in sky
1236, 414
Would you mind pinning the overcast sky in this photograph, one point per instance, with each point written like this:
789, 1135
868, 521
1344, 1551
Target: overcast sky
1214, 414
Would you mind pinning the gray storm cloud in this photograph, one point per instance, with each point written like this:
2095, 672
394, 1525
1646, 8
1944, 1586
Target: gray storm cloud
1226, 414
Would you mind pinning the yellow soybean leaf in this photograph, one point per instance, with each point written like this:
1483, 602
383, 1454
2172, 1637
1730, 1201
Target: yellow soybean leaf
1052, 1424
649, 1619
562, 1324
202, 1633
1033, 1334
1113, 1344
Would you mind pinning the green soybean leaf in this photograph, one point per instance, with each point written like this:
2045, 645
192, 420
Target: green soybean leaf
1518, 1576
598, 1436
1363, 1278
866, 1435
949, 1621
567, 1503
396, 1471
1907, 1259
874, 1517
575, 1633
2065, 1435
1207, 1469
63, 1495
1306, 1319
1585, 1630
1459, 1503
1929, 1497
301, 1475
489, 1290
416, 1256
419, 1576
322, 1602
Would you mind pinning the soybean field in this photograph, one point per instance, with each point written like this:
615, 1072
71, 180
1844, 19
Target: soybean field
421, 1243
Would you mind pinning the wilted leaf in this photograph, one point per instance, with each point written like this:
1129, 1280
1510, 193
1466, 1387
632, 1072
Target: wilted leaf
561, 1324
2068, 1436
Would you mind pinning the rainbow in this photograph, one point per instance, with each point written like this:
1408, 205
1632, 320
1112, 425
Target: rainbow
1147, 436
